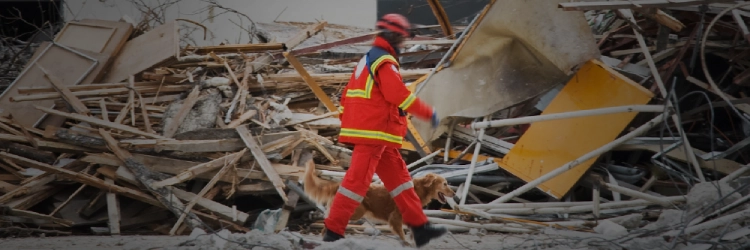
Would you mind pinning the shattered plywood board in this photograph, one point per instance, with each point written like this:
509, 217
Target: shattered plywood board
153, 48
74, 71
548, 145
100, 36
518, 50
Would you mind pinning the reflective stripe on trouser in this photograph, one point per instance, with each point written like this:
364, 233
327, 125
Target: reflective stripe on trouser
390, 167
356, 182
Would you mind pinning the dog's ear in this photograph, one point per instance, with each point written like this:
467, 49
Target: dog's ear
428, 179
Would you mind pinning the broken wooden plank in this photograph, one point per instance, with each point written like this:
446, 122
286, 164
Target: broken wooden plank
79, 88
663, 18
100, 122
85, 179
28, 188
144, 176
187, 105
6, 187
155, 47
288, 208
101, 92
319, 93
68, 96
261, 159
634, 4
218, 208
262, 61
196, 170
244, 117
113, 210
29, 152
441, 16
174, 167
209, 186
34, 215
237, 48
32, 199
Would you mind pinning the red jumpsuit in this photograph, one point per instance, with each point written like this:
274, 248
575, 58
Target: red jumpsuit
374, 121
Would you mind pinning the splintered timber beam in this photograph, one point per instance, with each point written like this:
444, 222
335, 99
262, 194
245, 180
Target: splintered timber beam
196, 170
265, 60
143, 175
99, 122
187, 105
260, 47
68, 96
319, 93
261, 159
205, 189
85, 179
102, 92
442, 17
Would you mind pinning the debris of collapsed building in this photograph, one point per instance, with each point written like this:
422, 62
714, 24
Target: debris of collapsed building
135, 134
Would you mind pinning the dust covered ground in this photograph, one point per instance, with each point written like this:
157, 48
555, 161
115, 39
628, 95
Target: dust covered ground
277, 241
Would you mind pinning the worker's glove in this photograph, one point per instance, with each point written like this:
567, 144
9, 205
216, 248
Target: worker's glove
435, 121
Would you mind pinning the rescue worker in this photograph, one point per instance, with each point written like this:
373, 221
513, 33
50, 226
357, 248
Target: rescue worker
373, 112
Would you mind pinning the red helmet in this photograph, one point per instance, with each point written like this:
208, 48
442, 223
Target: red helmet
396, 23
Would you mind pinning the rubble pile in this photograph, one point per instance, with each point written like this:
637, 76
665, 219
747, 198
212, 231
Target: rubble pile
641, 144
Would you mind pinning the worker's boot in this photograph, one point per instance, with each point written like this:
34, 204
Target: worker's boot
423, 234
330, 236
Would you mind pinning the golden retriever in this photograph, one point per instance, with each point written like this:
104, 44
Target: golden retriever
378, 203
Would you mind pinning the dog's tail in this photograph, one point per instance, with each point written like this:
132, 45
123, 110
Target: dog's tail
319, 190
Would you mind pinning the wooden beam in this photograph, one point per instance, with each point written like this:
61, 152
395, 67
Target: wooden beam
441, 16
211, 183
68, 96
261, 159
663, 18
105, 112
28, 188
265, 60
144, 176
288, 208
229, 48
99, 122
34, 215
85, 179
305, 34
144, 114
634, 4
88, 87
113, 210
311, 82
244, 117
187, 105
6, 187
218, 208
102, 92
172, 166
196, 170
131, 99
351, 40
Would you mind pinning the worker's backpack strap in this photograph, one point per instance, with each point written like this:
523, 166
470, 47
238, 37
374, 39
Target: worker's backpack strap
368, 64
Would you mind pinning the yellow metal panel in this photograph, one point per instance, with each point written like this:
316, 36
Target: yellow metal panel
550, 144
